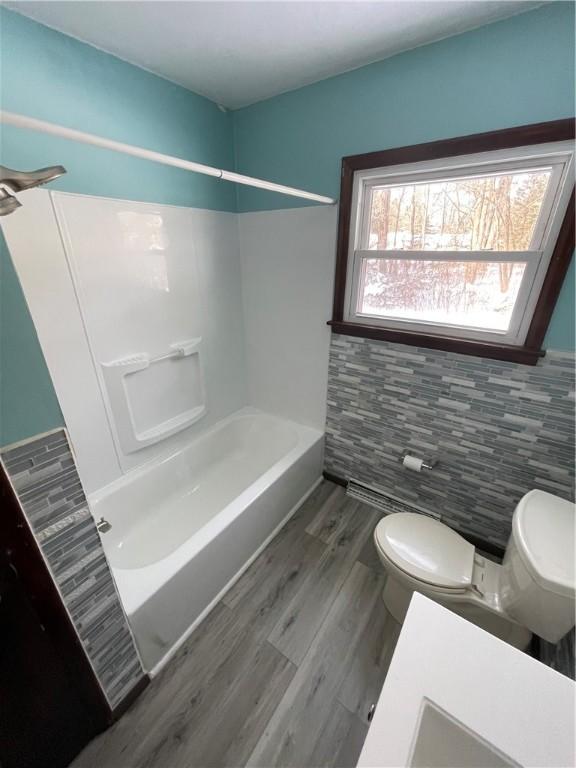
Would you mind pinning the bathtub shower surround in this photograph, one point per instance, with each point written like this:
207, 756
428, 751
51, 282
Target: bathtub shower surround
498, 429
121, 283
43, 473
132, 282
287, 274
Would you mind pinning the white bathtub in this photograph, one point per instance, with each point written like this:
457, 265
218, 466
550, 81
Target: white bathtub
184, 529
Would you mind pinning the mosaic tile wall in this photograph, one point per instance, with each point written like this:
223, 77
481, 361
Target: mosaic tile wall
44, 475
498, 429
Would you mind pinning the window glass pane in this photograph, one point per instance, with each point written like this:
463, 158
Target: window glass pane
473, 294
497, 212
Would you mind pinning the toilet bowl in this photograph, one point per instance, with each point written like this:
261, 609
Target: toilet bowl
533, 591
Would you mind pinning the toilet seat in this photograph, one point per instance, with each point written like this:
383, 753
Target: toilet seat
426, 549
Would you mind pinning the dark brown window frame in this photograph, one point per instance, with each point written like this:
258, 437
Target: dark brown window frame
508, 138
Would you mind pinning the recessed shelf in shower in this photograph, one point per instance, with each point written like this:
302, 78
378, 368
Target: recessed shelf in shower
155, 396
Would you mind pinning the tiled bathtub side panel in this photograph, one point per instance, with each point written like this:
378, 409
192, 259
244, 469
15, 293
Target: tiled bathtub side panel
44, 475
498, 429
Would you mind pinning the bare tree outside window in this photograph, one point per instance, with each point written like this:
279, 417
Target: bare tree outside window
495, 213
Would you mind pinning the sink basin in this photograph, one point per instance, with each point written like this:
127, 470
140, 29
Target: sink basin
457, 697
443, 742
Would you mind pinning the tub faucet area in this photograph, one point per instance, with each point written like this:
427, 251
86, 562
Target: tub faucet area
103, 526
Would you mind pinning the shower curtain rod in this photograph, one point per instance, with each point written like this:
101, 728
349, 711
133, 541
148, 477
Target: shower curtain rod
22, 121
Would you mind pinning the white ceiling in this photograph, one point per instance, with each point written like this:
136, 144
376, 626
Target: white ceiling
237, 53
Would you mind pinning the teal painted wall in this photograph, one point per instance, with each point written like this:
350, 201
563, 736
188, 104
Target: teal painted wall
28, 403
514, 72
53, 77
562, 329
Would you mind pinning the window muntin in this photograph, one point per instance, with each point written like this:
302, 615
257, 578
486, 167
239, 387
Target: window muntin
530, 185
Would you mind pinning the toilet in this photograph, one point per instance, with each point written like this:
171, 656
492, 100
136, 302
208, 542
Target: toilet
533, 591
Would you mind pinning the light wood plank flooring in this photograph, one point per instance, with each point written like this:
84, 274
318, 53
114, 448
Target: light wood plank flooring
284, 669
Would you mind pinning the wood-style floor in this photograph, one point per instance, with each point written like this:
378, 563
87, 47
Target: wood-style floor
284, 669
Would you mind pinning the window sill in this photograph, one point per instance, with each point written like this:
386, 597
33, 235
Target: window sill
506, 352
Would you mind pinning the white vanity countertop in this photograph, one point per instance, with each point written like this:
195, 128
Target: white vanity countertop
521, 708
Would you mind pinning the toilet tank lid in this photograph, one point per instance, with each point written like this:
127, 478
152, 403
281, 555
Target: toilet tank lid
543, 527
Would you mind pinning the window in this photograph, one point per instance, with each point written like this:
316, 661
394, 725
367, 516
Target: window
456, 251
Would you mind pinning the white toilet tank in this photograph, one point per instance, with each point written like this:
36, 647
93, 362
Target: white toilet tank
537, 580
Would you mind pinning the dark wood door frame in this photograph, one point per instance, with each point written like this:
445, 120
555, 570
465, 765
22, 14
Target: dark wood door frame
20, 549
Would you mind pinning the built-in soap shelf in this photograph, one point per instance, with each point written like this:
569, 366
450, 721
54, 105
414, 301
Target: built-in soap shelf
154, 396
